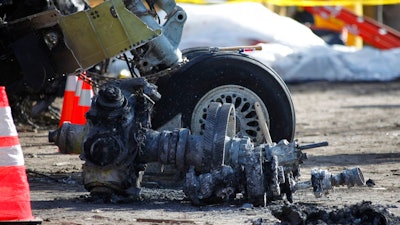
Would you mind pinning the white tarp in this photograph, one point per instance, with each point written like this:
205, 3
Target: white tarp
288, 46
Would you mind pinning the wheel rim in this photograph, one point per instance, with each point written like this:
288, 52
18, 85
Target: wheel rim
246, 117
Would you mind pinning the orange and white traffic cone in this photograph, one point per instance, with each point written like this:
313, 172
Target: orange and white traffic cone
15, 206
68, 101
85, 100
77, 95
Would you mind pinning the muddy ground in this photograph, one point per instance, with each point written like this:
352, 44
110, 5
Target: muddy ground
361, 122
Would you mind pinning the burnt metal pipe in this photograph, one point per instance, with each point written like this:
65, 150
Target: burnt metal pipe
117, 142
178, 148
315, 145
322, 181
68, 138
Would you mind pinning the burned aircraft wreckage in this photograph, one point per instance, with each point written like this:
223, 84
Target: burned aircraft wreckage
231, 102
117, 141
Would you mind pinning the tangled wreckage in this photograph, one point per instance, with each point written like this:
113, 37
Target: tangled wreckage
117, 142
216, 114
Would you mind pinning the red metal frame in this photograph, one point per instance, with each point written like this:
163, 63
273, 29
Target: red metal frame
371, 31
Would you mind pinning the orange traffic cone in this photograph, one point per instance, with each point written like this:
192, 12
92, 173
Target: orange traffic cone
15, 206
84, 103
68, 102
77, 95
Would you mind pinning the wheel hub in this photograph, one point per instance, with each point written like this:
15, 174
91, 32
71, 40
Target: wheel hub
243, 99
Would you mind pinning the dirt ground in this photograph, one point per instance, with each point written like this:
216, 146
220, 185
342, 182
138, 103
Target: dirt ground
361, 122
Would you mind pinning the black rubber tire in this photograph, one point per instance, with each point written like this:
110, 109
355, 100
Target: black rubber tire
191, 53
205, 71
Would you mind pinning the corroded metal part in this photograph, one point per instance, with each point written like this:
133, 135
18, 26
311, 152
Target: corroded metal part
68, 138
287, 154
323, 181
117, 142
219, 184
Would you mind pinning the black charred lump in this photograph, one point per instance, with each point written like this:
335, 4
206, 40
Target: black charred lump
364, 213
110, 97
